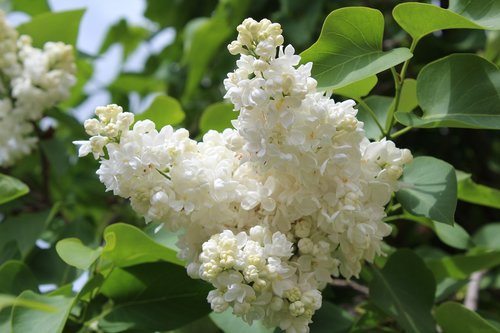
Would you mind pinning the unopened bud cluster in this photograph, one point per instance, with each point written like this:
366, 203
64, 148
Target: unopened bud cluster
271, 209
32, 80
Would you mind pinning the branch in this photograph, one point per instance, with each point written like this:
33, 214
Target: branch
348, 283
471, 298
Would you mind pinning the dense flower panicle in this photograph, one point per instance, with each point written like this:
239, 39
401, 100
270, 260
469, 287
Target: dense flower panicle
271, 209
32, 80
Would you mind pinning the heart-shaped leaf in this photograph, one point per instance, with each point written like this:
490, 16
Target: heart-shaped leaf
421, 19
460, 90
127, 245
349, 48
74, 253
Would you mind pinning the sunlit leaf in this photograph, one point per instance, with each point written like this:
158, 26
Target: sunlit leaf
430, 189
460, 90
217, 117
11, 188
421, 19
404, 289
24, 319
204, 36
164, 110
349, 48
74, 253
127, 245
8, 300
357, 89
453, 317
129, 37
228, 322
470, 191
53, 27
30, 7
139, 83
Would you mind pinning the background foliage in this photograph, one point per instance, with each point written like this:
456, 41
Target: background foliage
427, 74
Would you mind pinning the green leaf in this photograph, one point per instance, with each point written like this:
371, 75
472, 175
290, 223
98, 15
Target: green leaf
25, 229
129, 37
48, 267
461, 266
8, 300
349, 48
453, 317
153, 297
404, 289
217, 117
451, 235
485, 13
10, 251
454, 236
408, 99
74, 253
205, 36
127, 245
164, 110
331, 318
15, 277
380, 106
228, 322
488, 236
460, 90
358, 89
53, 27
11, 188
431, 189
30, 7
139, 83
478, 194
421, 19
25, 319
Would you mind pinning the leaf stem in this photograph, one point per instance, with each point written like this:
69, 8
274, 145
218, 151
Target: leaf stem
371, 112
402, 217
401, 132
398, 86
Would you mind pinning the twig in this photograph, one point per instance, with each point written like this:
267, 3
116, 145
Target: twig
470, 301
348, 283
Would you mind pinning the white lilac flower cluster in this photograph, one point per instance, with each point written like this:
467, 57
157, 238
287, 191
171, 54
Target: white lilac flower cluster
31, 81
272, 209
